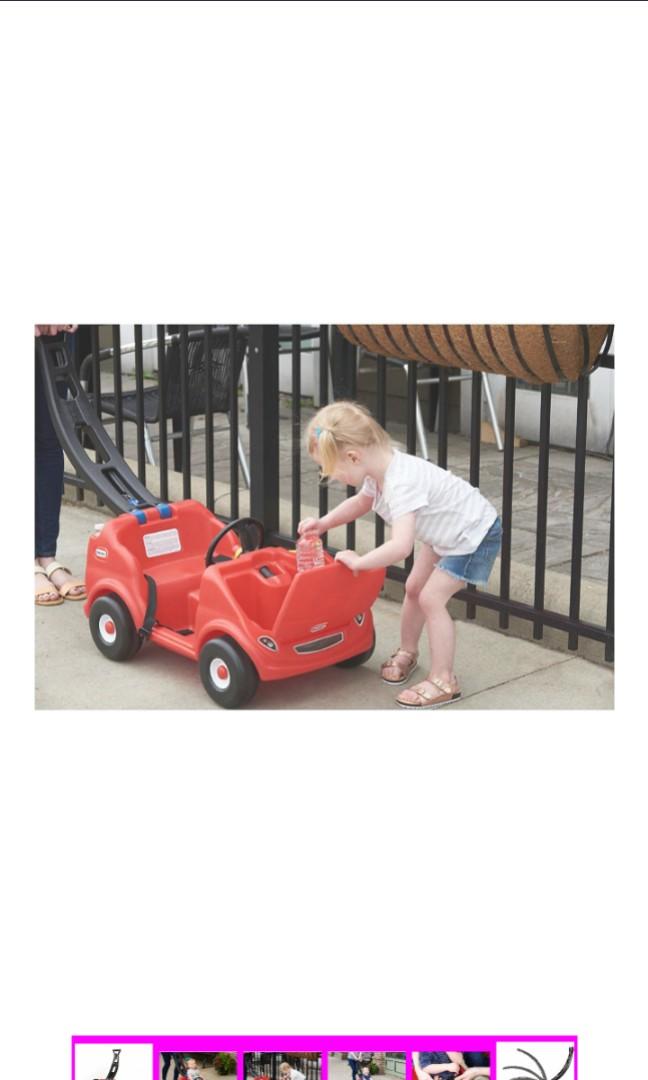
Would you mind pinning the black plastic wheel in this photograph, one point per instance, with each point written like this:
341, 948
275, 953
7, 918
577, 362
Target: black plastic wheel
361, 658
228, 675
113, 631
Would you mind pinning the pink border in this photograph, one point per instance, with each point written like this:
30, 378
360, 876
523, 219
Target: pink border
325, 1044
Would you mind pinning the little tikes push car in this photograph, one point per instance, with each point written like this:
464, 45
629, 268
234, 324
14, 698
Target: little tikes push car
175, 574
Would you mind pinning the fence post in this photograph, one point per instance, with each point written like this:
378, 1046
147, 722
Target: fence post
343, 366
263, 374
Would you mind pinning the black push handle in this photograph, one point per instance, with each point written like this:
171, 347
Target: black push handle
112, 1072
76, 424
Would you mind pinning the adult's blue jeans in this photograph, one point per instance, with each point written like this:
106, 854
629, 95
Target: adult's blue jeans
476, 1057
167, 1059
48, 484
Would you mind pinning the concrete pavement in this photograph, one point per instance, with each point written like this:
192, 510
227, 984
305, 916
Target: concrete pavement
496, 670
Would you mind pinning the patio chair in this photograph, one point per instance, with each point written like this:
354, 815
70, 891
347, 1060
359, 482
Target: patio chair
220, 367
434, 380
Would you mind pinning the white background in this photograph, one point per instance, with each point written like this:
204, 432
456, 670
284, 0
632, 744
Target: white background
324, 162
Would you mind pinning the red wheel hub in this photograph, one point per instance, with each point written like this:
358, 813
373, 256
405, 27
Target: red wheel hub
222, 671
109, 626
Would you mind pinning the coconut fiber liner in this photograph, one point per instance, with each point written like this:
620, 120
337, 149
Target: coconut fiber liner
534, 353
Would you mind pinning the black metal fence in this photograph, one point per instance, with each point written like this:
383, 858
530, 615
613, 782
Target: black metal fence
198, 371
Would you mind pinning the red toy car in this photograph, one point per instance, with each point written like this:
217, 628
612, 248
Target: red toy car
212, 592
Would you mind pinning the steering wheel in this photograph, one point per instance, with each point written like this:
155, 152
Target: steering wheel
251, 535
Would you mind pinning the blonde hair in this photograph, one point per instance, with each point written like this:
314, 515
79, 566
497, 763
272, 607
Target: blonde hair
341, 426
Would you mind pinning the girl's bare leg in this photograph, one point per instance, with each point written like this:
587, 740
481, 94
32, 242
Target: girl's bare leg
433, 601
413, 617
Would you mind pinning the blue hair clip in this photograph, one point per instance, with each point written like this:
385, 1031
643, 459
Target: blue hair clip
318, 432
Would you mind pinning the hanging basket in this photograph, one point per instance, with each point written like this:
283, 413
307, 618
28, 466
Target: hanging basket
534, 353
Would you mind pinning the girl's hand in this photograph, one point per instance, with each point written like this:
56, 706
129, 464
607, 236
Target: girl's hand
350, 559
309, 525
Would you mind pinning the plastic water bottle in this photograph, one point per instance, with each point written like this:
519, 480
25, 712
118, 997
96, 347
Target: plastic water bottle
310, 552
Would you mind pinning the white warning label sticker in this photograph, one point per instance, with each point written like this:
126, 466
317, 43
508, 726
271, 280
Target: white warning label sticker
162, 543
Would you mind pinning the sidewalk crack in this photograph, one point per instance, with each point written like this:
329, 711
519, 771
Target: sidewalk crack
516, 678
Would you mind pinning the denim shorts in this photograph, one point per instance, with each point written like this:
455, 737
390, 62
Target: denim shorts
475, 568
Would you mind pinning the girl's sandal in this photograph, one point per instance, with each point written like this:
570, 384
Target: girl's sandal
403, 669
424, 698
43, 591
65, 590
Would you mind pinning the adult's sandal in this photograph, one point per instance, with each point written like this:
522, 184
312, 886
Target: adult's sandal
65, 590
46, 595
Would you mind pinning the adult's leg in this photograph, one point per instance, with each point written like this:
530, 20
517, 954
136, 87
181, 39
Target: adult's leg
48, 488
48, 478
166, 1065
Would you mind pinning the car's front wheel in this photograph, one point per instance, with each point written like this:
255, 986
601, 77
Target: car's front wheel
228, 675
112, 628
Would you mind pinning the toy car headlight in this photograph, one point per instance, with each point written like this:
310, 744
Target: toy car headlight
268, 643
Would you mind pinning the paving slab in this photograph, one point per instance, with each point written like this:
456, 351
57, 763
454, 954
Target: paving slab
575, 683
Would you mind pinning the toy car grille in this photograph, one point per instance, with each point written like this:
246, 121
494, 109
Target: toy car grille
319, 644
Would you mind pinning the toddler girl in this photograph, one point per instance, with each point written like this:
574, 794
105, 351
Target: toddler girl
459, 530
366, 1057
286, 1072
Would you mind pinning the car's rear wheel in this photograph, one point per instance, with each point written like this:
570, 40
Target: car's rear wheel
112, 628
361, 658
228, 675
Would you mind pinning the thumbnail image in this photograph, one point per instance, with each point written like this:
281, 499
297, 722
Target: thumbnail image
449, 1064
295, 1066
105, 1061
362, 1064
187, 1065
549, 1059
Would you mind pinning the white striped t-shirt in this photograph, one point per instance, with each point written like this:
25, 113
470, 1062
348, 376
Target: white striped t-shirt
452, 516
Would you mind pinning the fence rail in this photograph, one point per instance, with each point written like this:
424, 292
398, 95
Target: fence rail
185, 355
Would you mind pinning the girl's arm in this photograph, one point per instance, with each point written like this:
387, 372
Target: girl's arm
347, 511
396, 549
